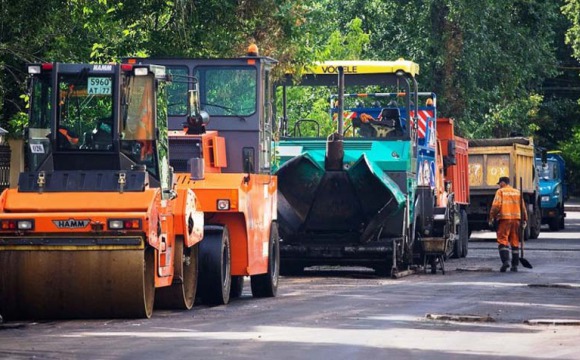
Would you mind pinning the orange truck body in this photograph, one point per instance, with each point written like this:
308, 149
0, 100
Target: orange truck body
252, 203
220, 147
457, 174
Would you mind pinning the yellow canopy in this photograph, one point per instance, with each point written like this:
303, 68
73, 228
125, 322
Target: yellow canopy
364, 67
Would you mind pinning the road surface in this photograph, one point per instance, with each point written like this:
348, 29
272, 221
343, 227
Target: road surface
472, 312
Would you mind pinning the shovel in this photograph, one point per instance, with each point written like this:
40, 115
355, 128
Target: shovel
525, 263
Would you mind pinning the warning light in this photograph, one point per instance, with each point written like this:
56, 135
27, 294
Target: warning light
253, 50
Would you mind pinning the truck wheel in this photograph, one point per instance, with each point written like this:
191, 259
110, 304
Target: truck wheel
464, 234
214, 266
181, 294
266, 285
536, 223
460, 244
555, 223
237, 286
457, 245
562, 224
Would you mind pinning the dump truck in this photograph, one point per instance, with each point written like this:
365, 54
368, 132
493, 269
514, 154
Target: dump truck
224, 156
372, 193
96, 227
490, 159
553, 190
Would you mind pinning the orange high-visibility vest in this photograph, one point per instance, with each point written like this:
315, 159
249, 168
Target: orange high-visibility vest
506, 205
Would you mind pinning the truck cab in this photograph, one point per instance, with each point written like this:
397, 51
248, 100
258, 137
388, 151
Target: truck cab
551, 172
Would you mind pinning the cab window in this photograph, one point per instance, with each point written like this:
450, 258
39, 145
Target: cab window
228, 91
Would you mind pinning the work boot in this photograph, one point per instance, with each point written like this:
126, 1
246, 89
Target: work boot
515, 259
504, 255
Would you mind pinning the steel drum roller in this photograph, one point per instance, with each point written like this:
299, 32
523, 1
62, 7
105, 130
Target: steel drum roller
50, 284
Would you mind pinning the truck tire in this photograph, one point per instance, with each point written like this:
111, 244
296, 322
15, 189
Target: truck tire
562, 224
237, 286
554, 223
465, 233
214, 266
266, 285
181, 294
460, 244
536, 222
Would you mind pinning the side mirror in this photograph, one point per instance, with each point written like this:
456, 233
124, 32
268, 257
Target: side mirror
451, 158
451, 152
197, 119
544, 156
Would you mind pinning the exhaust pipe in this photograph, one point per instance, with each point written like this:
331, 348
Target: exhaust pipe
334, 144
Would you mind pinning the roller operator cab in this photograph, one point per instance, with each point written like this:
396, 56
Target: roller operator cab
220, 134
361, 169
96, 228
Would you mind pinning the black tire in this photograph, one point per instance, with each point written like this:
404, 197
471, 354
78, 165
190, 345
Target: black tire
457, 246
536, 223
527, 233
266, 285
237, 286
181, 294
554, 223
464, 233
562, 222
214, 266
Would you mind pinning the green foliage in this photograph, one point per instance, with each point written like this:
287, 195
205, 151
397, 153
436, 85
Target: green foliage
516, 117
571, 10
16, 125
571, 152
313, 103
484, 60
556, 120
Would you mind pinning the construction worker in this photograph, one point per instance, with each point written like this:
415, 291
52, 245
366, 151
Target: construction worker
506, 209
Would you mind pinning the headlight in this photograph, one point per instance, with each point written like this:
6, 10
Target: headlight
34, 69
124, 224
25, 225
223, 204
545, 198
12, 225
115, 224
140, 71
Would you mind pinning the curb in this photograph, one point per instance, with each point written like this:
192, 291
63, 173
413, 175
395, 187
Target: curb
460, 318
567, 322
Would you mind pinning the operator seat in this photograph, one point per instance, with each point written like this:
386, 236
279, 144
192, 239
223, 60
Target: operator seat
391, 117
101, 138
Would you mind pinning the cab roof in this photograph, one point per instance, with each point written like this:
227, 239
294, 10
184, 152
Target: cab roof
364, 67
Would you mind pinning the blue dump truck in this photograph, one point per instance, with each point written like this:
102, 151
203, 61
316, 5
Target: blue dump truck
551, 169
